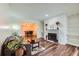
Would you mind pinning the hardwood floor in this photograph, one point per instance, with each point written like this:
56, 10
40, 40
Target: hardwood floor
60, 50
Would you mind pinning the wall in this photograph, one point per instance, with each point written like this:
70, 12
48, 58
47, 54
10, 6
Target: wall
62, 32
69, 29
14, 23
73, 29
7, 32
37, 22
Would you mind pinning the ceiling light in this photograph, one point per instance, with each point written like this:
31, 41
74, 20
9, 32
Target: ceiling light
4, 27
15, 27
46, 15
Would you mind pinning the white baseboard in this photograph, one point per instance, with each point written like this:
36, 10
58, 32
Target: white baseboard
73, 44
62, 43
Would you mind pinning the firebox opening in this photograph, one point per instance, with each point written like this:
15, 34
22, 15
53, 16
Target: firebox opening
52, 37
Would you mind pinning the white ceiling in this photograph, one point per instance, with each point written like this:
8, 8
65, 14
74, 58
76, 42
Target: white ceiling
20, 11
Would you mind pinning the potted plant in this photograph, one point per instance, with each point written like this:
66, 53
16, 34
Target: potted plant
15, 43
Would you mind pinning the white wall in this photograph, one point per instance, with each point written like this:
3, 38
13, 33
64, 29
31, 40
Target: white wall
6, 19
73, 29
69, 30
62, 33
7, 32
63, 29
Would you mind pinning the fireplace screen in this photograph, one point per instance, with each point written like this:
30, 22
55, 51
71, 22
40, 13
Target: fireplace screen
52, 37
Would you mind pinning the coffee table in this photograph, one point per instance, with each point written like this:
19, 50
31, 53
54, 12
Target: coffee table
35, 45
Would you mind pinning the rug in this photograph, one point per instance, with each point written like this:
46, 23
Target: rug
43, 45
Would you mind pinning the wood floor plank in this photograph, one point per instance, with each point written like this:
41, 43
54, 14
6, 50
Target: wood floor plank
60, 50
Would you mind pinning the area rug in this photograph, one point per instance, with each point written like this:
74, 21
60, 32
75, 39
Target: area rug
43, 46
37, 50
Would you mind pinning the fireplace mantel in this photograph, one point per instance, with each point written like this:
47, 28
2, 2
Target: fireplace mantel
52, 31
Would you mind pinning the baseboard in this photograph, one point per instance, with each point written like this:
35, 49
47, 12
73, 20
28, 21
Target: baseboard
73, 44
62, 43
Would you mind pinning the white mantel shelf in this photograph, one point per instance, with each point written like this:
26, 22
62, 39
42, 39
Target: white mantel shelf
52, 31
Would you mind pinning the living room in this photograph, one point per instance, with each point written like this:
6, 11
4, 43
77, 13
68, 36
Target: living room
42, 27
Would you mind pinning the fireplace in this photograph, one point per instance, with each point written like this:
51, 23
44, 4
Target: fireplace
52, 37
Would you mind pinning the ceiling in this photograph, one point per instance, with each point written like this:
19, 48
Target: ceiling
37, 11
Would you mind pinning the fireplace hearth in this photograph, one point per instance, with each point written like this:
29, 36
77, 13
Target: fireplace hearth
52, 37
